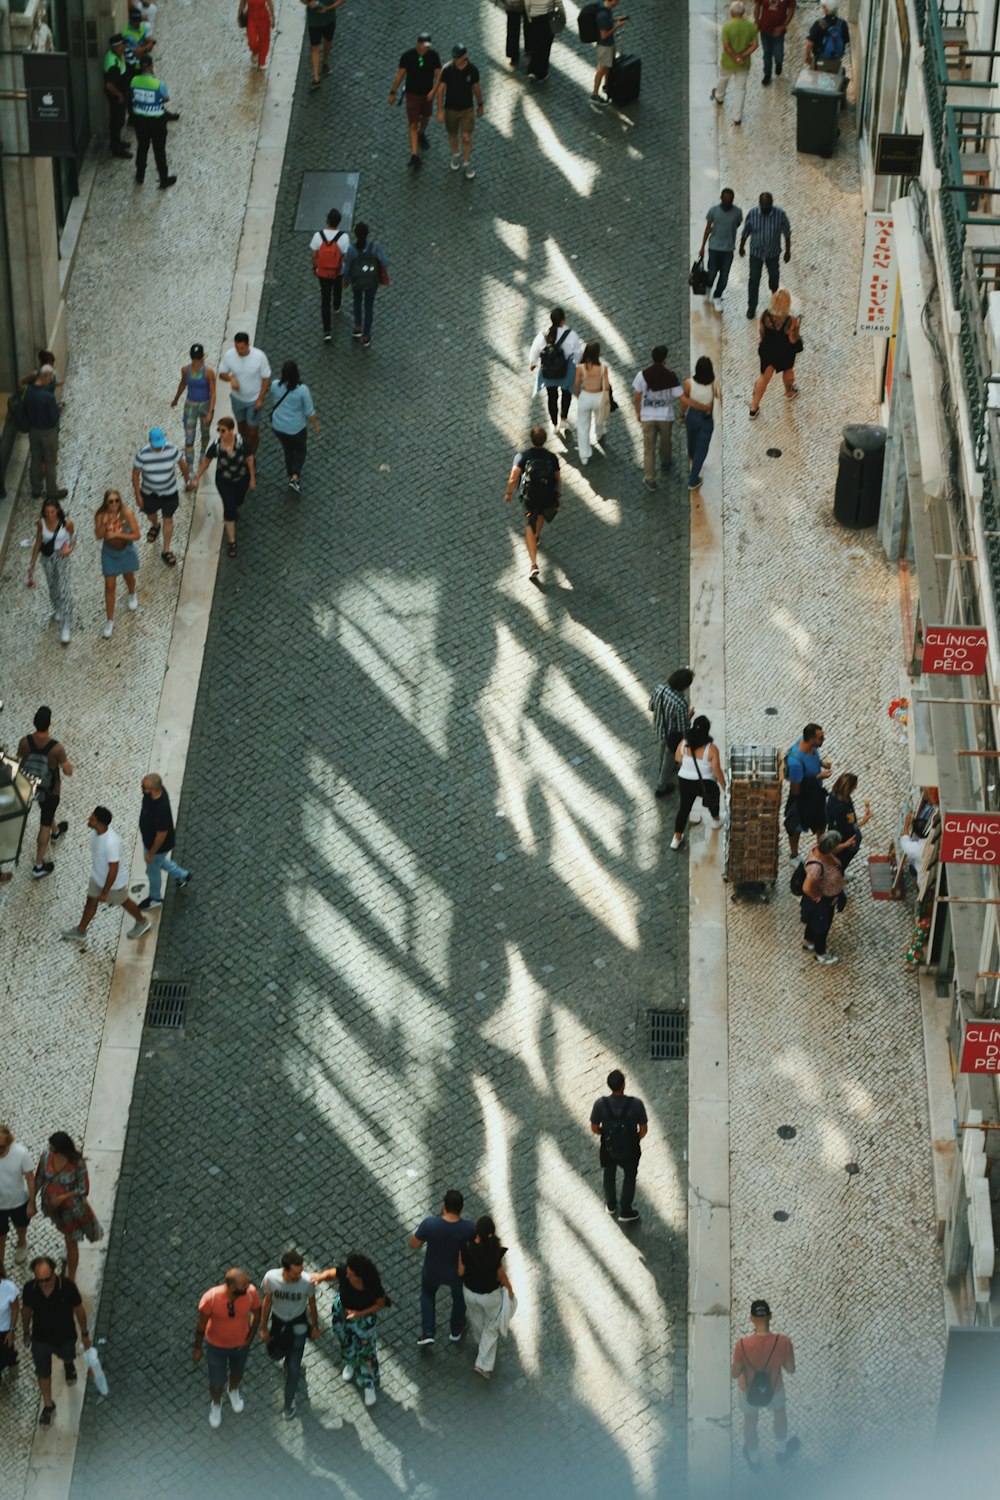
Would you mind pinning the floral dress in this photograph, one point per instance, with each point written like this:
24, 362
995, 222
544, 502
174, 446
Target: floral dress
74, 1218
358, 1336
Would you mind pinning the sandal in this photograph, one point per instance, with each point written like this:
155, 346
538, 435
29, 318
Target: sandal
231, 550
153, 533
169, 559
791, 390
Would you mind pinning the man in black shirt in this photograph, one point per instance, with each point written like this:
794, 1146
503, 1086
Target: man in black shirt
620, 1121
116, 87
49, 1306
458, 83
537, 473
156, 824
421, 67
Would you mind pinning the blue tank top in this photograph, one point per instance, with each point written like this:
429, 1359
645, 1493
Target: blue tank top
197, 385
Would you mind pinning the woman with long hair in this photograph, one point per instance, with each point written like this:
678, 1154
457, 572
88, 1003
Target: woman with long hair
842, 818
63, 1184
54, 542
591, 384
358, 1297
484, 1280
235, 474
699, 774
117, 530
292, 409
366, 269
555, 354
780, 342
701, 391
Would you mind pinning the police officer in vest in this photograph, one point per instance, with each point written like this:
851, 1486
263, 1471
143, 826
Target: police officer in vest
149, 117
116, 87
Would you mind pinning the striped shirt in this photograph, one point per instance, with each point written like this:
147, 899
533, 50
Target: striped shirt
669, 710
158, 467
767, 230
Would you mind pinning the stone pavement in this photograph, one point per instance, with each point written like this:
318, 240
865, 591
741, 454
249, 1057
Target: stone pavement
434, 899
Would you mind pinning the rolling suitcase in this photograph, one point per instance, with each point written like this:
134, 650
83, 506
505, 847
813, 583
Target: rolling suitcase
622, 82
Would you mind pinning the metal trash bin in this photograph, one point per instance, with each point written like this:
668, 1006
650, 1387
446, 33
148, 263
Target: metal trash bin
858, 495
818, 98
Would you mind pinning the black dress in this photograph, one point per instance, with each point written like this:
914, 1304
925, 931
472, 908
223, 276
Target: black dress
777, 351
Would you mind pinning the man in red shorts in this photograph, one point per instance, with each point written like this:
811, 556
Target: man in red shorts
421, 67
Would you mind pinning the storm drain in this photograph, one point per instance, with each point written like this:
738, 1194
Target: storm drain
668, 1035
168, 1000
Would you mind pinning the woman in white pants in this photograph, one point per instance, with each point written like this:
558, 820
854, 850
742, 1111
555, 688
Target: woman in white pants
592, 388
480, 1265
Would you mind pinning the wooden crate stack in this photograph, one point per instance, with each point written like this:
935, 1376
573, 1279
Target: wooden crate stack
754, 814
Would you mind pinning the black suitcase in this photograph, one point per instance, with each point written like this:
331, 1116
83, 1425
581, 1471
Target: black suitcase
622, 81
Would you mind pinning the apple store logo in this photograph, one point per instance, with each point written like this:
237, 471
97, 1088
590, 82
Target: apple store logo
50, 105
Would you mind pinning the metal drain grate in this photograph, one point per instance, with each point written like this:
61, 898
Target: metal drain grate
168, 1000
668, 1035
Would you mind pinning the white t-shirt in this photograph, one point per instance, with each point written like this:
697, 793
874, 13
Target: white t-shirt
342, 238
656, 406
8, 1296
251, 370
106, 850
570, 346
13, 1188
289, 1299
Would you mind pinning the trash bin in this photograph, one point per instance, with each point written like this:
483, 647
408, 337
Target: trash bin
858, 495
818, 97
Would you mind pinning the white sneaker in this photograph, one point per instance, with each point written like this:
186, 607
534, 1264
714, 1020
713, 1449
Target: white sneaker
64, 635
795, 859
827, 958
370, 1397
133, 601
694, 818
677, 841
20, 1255
236, 1401
347, 1373
716, 822
109, 626
215, 1415
717, 303
456, 162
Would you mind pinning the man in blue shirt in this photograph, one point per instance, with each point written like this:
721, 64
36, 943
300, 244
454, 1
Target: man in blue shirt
766, 225
42, 411
805, 809
444, 1235
149, 96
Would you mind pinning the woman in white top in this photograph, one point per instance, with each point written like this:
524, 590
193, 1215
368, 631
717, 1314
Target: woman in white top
592, 387
555, 355
699, 774
701, 391
54, 543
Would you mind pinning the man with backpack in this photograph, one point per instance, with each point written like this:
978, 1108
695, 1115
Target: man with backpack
827, 41
620, 1121
45, 758
607, 28
536, 472
329, 247
758, 1361
805, 772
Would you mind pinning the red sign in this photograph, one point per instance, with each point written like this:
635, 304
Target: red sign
970, 838
955, 648
981, 1047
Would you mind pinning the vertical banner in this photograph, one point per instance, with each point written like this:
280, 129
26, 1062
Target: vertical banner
879, 277
50, 123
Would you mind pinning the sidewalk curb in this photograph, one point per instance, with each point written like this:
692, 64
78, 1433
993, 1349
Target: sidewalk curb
50, 1470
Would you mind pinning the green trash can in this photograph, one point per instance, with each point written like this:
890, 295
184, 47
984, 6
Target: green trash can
818, 99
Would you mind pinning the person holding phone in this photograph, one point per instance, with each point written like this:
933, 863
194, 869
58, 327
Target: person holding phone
608, 27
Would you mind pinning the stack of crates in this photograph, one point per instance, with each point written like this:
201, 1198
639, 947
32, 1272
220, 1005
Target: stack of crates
754, 814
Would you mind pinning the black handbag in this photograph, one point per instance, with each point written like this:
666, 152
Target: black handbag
699, 280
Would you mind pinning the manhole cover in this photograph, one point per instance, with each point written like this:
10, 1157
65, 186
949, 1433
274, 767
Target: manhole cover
852, 1169
774, 452
167, 1003
667, 1035
781, 1216
322, 191
787, 1132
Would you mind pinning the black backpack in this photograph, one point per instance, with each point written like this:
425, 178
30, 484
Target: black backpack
36, 764
536, 481
364, 272
760, 1386
798, 881
553, 360
587, 22
618, 1134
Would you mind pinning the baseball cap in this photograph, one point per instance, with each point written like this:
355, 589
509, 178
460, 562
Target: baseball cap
759, 1309
157, 437
116, 40
459, 50
197, 351
425, 36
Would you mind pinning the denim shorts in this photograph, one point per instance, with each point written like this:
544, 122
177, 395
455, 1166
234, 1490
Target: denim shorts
225, 1364
243, 412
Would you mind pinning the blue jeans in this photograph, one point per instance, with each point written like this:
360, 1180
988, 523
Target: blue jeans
719, 265
288, 1341
154, 871
699, 427
773, 51
366, 295
756, 271
428, 1293
225, 1362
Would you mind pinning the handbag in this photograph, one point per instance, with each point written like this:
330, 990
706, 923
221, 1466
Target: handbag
557, 17
242, 17
699, 280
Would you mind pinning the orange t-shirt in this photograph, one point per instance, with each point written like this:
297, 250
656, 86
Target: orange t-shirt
763, 1351
223, 1331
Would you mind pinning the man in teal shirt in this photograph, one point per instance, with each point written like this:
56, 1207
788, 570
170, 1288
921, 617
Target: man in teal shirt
149, 97
739, 43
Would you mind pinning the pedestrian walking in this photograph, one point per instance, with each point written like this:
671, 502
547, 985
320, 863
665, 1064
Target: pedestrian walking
765, 226
117, 529
292, 410
108, 885
322, 23
46, 760
805, 772
258, 17
420, 66
758, 1361
484, 1279
17, 1196
358, 1298
156, 827
228, 1317
672, 713
54, 543
154, 484
592, 388
247, 372
772, 19
41, 410
620, 1121
517, 23
554, 355
443, 1234
235, 475
538, 37
116, 91
780, 342
62, 1184
842, 818
607, 27
739, 43
52, 1312
535, 472
822, 893
288, 1318
721, 223
699, 774
458, 86
149, 116
656, 391
197, 386
698, 397
828, 39
365, 270
10, 1307
329, 249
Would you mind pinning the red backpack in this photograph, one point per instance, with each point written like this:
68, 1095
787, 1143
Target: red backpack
329, 258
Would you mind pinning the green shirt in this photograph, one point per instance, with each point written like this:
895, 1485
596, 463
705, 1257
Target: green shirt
739, 33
